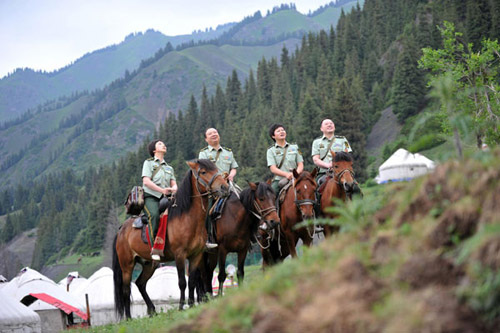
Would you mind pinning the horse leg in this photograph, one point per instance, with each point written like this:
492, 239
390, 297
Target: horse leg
211, 263
222, 270
181, 274
242, 255
123, 266
194, 264
148, 268
290, 239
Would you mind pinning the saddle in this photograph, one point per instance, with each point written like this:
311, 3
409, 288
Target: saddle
139, 223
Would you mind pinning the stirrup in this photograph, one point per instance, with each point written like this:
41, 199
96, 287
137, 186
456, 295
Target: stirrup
318, 229
156, 254
209, 245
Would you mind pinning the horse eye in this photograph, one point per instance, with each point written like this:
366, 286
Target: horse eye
336, 166
202, 172
261, 199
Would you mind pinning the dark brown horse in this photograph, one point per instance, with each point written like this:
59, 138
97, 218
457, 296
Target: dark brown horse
338, 184
297, 206
186, 237
238, 224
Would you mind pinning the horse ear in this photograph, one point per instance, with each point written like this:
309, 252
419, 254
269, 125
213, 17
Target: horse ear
295, 173
333, 155
314, 172
192, 164
253, 186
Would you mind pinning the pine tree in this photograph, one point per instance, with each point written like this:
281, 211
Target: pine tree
408, 85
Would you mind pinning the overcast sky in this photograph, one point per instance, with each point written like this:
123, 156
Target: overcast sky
49, 34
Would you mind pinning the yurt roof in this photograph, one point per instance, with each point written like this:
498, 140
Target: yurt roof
403, 157
100, 289
15, 315
29, 282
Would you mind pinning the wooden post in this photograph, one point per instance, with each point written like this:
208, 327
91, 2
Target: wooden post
88, 308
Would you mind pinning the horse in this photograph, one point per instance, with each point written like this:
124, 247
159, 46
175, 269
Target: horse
297, 206
186, 237
338, 184
238, 224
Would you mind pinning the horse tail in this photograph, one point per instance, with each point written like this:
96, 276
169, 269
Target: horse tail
118, 283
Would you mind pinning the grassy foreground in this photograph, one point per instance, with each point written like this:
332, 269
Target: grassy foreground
410, 257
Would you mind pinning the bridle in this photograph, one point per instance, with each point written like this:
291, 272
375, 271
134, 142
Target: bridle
208, 186
337, 177
270, 229
304, 202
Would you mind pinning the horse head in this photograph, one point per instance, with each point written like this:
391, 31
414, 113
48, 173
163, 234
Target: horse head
304, 187
208, 178
264, 204
343, 172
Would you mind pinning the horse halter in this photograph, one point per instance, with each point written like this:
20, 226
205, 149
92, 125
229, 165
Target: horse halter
338, 176
208, 186
302, 202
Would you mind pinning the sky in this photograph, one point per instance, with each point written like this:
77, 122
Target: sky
50, 34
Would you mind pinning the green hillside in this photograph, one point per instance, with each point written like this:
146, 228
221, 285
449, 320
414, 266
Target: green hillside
157, 90
410, 257
26, 89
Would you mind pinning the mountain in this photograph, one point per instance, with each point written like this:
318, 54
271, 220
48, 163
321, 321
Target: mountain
26, 88
86, 129
96, 128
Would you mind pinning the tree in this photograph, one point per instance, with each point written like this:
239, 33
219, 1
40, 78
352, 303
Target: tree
467, 82
409, 84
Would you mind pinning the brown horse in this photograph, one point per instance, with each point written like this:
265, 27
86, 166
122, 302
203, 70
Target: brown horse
297, 206
238, 224
186, 237
338, 184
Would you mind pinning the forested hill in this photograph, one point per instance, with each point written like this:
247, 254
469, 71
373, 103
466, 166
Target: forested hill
349, 74
27, 89
87, 129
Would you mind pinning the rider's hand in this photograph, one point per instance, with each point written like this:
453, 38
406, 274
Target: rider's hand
289, 176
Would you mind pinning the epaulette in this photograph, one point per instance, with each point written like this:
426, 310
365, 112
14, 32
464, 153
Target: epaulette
271, 146
340, 136
228, 149
150, 159
202, 149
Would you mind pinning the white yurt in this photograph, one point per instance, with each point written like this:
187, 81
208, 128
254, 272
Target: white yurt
17, 317
163, 288
100, 289
402, 166
55, 307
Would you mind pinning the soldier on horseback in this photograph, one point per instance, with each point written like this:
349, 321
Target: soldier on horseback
158, 181
226, 163
282, 158
324, 145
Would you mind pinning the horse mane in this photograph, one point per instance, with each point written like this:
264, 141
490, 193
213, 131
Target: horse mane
182, 197
342, 156
184, 192
247, 196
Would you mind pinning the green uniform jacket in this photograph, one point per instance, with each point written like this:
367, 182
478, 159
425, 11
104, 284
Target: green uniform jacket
162, 178
292, 159
320, 146
225, 161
